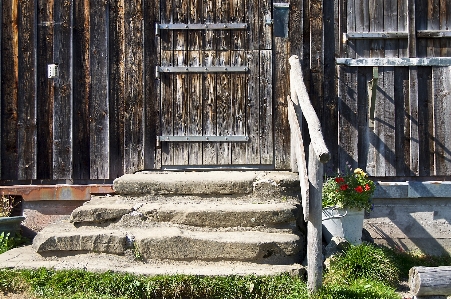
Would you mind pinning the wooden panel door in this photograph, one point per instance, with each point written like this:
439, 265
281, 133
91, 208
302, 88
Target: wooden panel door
211, 102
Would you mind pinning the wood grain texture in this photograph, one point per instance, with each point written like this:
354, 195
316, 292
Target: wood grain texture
27, 131
62, 111
81, 75
98, 109
116, 78
134, 97
44, 89
9, 100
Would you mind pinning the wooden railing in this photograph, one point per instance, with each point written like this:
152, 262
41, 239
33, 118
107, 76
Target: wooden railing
311, 175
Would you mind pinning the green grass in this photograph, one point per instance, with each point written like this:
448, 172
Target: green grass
364, 271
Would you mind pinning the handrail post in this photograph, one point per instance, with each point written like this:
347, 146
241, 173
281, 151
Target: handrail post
314, 225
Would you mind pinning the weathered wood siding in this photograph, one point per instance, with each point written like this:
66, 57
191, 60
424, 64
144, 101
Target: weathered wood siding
101, 117
411, 135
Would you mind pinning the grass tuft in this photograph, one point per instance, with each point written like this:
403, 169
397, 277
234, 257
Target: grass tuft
364, 261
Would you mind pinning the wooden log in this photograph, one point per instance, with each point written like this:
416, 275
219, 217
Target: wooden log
309, 113
430, 281
314, 225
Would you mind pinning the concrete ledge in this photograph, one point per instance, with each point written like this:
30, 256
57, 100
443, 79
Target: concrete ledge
413, 189
412, 224
261, 183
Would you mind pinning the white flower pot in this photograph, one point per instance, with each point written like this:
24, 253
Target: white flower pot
345, 223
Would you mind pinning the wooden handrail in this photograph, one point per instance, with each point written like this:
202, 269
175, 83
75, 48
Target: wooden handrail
300, 97
311, 176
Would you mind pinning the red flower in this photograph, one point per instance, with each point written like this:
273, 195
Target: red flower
367, 187
339, 180
359, 189
344, 187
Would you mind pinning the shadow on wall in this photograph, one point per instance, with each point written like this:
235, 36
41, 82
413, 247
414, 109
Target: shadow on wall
412, 216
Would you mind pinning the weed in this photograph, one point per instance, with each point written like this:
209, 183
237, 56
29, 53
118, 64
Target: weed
8, 242
365, 261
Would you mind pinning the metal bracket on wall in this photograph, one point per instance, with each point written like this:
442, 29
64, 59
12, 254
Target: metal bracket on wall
372, 87
215, 26
232, 138
195, 69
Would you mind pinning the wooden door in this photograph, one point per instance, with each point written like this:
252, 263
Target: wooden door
215, 77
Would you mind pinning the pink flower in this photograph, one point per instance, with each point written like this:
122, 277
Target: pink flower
367, 187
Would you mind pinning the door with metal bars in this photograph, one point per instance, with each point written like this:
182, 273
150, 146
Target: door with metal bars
215, 77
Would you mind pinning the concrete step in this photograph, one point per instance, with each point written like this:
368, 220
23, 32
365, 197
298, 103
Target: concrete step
168, 241
193, 211
207, 183
27, 258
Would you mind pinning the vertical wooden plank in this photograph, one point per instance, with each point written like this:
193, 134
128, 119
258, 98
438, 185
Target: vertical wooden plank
116, 95
81, 90
421, 23
402, 129
425, 122
253, 18
99, 108
401, 76
266, 108
62, 111
266, 146
134, 66
167, 83
26, 131
10, 78
151, 85
376, 15
329, 118
348, 95
238, 91
224, 87
281, 91
317, 55
445, 24
45, 89
209, 150
385, 105
348, 135
194, 120
433, 23
253, 108
181, 100
442, 120
412, 107
264, 32
403, 15
362, 24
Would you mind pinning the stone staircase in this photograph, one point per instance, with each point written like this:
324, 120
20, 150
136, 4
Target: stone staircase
227, 218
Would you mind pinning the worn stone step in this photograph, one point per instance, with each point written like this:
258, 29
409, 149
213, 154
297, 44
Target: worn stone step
207, 183
194, 211
173, 243
27, 258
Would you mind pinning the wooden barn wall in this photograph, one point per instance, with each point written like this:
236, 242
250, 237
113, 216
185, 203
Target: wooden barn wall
92, 122
100, 118
411, 135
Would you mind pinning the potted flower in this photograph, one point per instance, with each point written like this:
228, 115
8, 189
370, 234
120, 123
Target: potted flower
345, 199
9, 224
